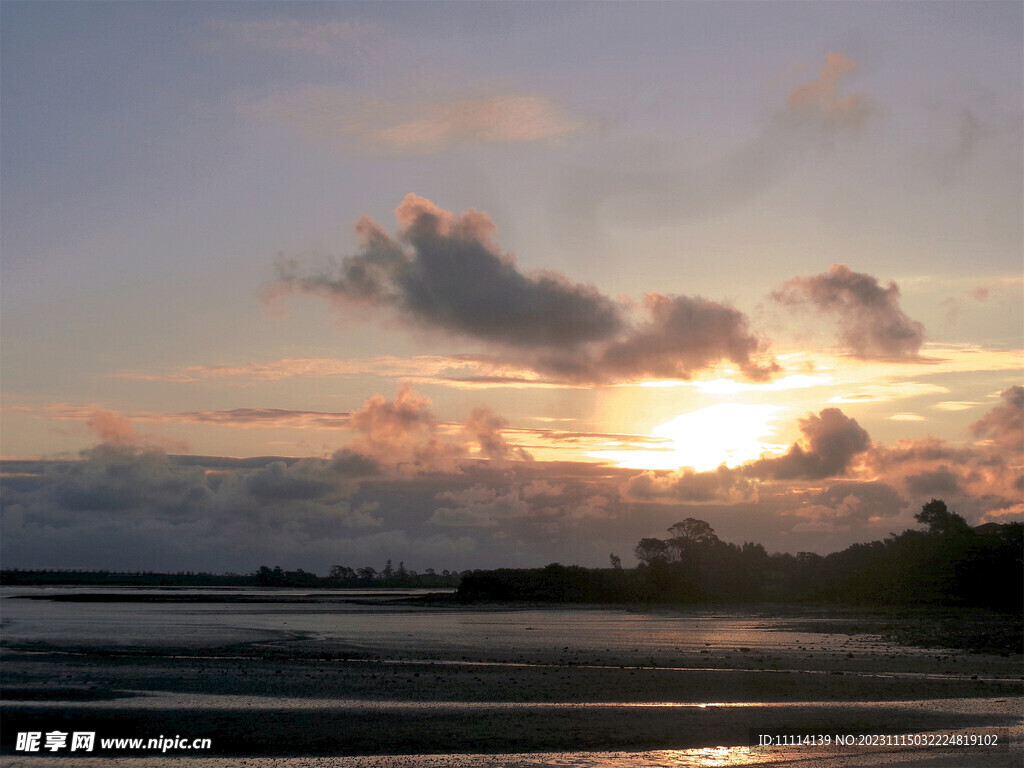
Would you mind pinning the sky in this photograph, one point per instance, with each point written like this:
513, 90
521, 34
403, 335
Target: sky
469, 285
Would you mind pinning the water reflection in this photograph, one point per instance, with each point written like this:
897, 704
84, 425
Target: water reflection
711, 756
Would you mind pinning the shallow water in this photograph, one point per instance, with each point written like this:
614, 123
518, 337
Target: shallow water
706, 757
383, 628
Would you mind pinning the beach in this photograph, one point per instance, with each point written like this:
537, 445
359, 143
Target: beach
379, 682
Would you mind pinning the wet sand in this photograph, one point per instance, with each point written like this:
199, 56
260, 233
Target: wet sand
294, 698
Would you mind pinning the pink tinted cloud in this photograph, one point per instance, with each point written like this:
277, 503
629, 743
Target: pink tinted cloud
119, 432
354, 122
821, 97
870, 322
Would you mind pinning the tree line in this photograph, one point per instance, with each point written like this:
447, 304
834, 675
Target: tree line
339, 576
947, 564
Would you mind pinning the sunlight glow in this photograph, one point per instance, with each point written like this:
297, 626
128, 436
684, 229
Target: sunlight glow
729, 433
731, 387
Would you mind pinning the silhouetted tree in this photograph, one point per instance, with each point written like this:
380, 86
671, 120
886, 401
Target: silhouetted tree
940, 520
650, 551
692, 530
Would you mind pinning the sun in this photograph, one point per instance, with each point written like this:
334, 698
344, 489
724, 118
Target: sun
728, 433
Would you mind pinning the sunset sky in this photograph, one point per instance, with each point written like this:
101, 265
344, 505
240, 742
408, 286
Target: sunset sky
499, 284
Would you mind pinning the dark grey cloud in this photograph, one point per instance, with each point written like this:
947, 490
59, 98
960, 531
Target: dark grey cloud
938, 483
348, 463
685, 335
910, 453
445, 273
281, 482
846, 507
452, 277
871, 323
119, 507
831, 441
860, 501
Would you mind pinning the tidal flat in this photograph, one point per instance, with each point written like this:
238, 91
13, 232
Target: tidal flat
294, 679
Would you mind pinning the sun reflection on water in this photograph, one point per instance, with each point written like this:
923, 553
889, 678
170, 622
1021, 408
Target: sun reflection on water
708, 757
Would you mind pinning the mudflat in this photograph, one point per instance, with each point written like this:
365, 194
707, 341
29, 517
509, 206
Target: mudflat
298, 695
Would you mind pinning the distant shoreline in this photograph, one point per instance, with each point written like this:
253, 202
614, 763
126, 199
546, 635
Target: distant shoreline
38, 577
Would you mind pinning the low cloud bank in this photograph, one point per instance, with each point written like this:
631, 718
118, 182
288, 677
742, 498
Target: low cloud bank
463, 496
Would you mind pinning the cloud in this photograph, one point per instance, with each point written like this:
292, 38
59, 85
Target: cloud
421, 127
118, 432
479, 506
685, 335
455, 279
906, 416
127, 507
484, 426
505, 119
871, 323
853, 501
460, 371
820, 98
119, 429
539, 504
937, 483
846, 506
878, 393
910, 452
113, 429
955, 405
282, 482
261, 417
445, 272
1004, 424
721, 485
463, 371
146, 511
402, 431
277, 370
980, 479
123, 506
831, 441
